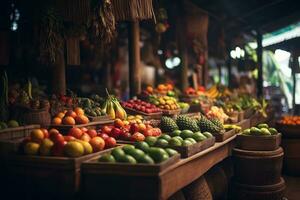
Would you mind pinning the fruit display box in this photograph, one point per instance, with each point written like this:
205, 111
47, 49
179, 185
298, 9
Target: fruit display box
171, 112
258, 143
222, 136
104, 118
187, 151
17, 132
94, 166
156, 115
65, 128
288, 131
56, 177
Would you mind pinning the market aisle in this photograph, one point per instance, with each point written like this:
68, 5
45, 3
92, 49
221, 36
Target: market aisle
292, 191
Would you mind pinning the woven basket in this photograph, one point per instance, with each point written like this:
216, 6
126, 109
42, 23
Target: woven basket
30, 116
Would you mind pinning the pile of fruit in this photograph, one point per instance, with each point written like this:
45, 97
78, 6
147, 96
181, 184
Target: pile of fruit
77, 143
9, 124
192, 92
141, 106
164, 102
182, 122
217, 112
217, 91
70, 117
178, 138
130, 131
290, 120
113, 108
139, 153
90, 107
161, 90
260, 130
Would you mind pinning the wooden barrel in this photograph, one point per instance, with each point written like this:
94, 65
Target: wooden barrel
198, 190
254, 192
257, 167
291, 161
217, 182
177, 196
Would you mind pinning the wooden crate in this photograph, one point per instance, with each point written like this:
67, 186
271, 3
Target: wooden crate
44, 177
103, 119
145, 115
244, 124
65, 128
187, 151
18, 132
220, 137
258, 143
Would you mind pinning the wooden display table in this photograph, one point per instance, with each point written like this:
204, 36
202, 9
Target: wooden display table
102, 184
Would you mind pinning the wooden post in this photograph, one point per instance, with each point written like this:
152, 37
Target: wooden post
182, 46
59, 75
134, 58
259, 52
229, 69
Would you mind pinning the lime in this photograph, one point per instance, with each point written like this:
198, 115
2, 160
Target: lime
142, 146
175, 133
161, 143
207, 134
151, 140
136, 153
186, 134
171, 152
198, 136
117, 153
107, 158
262, 126
175, 142
146, 159
127, 147
165, 136
273, 131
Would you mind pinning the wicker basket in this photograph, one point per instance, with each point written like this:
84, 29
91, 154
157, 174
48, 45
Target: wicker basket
31, 116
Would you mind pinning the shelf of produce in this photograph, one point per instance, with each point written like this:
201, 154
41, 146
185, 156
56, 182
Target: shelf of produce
156, 186
146, 115
45, 175
66, 128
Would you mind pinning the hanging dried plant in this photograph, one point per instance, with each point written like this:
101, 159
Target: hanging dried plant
50, 36
103, 26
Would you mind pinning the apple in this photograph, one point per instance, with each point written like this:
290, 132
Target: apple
92, 133
58, 148
106, 129
134, 128
46, 133
110, 142
69, 138
84, 129
115, 132
125, 135
104, 136
85, 137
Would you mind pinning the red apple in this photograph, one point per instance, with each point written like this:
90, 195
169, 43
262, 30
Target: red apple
59, 138
110, 142
45, 131
104, 136
115, 132
84, 129
106, 129
134, 128
125, 136
92, 133
69, 138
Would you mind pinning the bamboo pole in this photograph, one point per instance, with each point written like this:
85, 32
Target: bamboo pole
134, 58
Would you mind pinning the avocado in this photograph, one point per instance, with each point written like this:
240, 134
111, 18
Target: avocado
175, 142
273, 131
127, 147
158, 154
146, 159
198, 136
179, 138
127, 159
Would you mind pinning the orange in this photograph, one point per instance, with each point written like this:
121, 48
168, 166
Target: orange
60, 115
79, 111
161, 87
37, 135
82, 119
75, 132
149, 89
118, 123
56, 121
68, 120
71, 113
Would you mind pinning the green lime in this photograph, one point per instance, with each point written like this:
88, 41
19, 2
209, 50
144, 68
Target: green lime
117, 153
171, 152
262, 126
198, 136
186, 134
161, 143
136, 153
144, 146
175, 133
273, 131
165, 137
107, 158
151, 140
146, 159
127, 147
175, 142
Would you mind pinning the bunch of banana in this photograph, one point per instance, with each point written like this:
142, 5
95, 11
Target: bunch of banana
212, 92
232, 126
113, 108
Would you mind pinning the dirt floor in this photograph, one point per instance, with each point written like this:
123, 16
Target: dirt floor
292, 191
